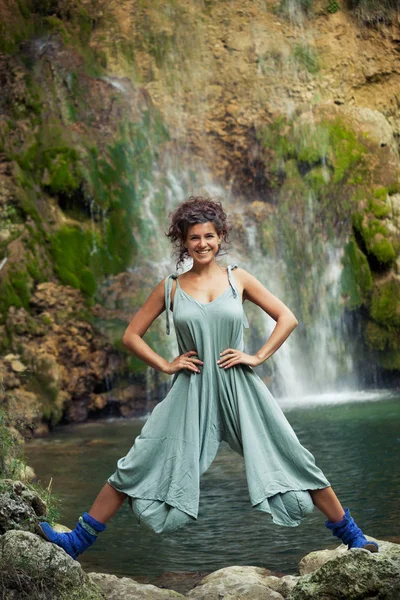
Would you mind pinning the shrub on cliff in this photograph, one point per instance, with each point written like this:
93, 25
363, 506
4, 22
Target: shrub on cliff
374, 11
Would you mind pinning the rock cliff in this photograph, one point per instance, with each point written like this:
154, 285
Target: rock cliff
280, 104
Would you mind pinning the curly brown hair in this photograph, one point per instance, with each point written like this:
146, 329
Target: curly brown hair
196, 210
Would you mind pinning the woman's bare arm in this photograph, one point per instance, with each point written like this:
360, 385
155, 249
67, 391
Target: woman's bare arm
286, 322
132, 338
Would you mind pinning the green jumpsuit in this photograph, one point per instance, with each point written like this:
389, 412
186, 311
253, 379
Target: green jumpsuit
177, 444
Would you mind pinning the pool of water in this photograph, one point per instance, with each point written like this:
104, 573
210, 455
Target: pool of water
355, 440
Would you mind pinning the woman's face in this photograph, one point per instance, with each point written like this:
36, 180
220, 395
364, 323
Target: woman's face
202, 242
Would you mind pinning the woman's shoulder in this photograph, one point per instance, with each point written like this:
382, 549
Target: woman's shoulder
240, 272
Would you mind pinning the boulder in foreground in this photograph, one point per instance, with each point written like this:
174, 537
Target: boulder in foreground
244, 583
32, 568
354, 575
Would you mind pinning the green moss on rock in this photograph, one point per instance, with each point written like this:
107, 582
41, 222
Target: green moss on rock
390, 360
356, 277
61, 173
375, 236
382, 249
71, 251
15, 290
385, 303
377, 337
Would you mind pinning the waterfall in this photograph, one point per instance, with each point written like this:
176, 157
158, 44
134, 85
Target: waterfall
302, 263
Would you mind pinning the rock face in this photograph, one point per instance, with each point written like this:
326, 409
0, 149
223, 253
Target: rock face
59, 364
20, 507
212, 77
355, 575
31, 567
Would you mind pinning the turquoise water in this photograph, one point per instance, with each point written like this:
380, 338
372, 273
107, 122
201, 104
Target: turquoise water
355, 442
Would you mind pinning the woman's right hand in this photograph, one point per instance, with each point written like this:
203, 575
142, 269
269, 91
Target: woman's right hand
184, 361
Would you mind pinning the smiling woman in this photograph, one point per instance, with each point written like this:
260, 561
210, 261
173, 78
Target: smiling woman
215, 396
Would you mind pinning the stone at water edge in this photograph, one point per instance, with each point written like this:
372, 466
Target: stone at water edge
20, 507
124, 588
354, 575
314, 560
241, 583
33, 568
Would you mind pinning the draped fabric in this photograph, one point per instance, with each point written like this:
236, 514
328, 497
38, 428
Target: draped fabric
161, 473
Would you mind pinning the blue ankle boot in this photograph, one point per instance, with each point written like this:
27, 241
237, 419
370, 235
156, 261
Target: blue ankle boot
77, 541
350, 534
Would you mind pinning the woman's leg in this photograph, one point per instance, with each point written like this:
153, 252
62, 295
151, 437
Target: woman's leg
328, 503
340, 522
107, 503
90, 524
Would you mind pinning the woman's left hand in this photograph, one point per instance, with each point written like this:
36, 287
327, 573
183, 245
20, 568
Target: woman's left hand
231, 357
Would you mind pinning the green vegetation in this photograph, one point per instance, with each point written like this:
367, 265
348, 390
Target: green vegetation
306, 56
356, 278
327, 153
15, 289
381, 334
368, 223
12, 459
333, 6
329, 179
11, 452
385, 303
71, 252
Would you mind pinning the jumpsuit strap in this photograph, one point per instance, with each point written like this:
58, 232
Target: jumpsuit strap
235, 291
167, 289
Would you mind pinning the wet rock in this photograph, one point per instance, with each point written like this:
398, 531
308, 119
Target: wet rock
33, 568
354, 575
116, 588
236, 583
21, 507
314, 560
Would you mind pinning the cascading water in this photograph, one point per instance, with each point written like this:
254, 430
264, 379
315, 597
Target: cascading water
316, 357
302, 264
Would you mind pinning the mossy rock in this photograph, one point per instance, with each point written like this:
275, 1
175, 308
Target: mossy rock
385, 303
15, 290
377, 337
318, 178
21, 507
382, 249
354, 575
32, 567
71, 249
390, 360
61, 173
356, 277
375, 237
378, 204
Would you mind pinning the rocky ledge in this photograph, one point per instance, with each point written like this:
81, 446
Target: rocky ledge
31, 567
